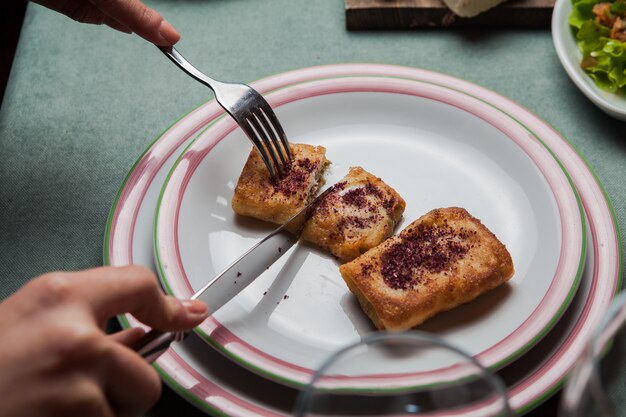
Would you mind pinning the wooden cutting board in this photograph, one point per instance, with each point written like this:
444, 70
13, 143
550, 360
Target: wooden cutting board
408, 14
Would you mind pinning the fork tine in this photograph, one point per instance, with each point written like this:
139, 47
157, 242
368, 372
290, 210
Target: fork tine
249, 131
276, 143
240, 100
253, 120
271, 116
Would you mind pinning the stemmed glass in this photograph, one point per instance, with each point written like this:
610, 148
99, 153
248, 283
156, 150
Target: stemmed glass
597, 384
398, 374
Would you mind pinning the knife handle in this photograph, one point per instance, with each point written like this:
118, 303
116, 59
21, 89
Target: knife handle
154, 343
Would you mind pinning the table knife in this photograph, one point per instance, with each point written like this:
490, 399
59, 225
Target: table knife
234, 278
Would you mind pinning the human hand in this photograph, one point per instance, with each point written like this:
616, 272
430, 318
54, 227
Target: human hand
124, 15
56, 360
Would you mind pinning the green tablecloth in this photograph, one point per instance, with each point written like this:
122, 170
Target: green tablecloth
84, 101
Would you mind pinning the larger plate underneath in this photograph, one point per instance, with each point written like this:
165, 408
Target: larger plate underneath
220, 387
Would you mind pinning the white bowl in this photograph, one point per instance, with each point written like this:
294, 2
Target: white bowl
570, 56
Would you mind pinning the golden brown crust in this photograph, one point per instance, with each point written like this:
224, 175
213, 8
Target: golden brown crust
395, 299
257, 196
358, 215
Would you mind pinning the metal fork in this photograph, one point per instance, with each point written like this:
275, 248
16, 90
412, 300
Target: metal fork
251, 112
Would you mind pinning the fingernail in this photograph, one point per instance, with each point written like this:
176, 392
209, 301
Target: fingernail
167, 32
195, 307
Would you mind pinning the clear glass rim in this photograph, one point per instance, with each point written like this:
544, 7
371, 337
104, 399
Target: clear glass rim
408, 336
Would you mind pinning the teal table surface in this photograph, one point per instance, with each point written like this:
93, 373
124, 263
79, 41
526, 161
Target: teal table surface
83, 102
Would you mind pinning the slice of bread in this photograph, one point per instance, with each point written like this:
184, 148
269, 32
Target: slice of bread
357, 215
442, 260
256, 195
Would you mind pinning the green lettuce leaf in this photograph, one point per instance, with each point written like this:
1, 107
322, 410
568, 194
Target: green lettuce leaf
591, 37
604, 59
581, 12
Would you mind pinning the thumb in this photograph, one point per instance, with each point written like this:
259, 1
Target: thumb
132, 289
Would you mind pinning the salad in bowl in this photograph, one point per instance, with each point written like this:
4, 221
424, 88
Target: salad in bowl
600, 29
590, 40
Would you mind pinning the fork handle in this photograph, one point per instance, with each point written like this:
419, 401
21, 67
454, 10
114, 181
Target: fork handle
154, 343
186, 66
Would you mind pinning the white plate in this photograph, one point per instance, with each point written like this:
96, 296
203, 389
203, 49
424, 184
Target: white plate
570, 56
217, 386
438, 148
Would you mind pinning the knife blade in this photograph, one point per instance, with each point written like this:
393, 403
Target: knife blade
242, 272
235, 277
